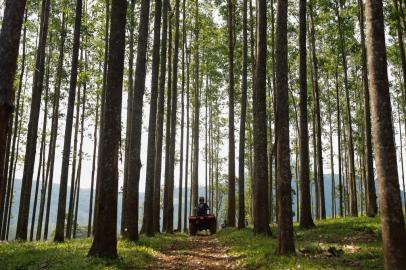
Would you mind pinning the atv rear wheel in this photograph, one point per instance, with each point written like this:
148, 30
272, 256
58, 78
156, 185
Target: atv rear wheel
213, 226
192, 228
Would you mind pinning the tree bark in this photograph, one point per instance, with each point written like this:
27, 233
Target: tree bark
150, 174
306, 220
285, 227
105, 234
60, 222
392, 220
231, 136
136, 126
260, 139
372, 208
29, 161
9, 47
160, 118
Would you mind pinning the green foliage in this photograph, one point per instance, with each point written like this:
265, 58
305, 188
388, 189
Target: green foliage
73, 254
332, 244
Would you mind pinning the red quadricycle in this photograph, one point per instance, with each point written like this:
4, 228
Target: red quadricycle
201, 223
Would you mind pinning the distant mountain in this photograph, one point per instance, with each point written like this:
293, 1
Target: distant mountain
84, 199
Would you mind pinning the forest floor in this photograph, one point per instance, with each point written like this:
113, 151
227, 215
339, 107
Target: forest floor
351, 243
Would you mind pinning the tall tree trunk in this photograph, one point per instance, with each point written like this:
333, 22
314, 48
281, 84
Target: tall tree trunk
260, 139
150, 174
14, 150
231, 136
60, 222
136, 126
285, 227
392, 220
352, 180
340, 180
372, 208
333, 182
105, 234
182, 121
129, 114
319, 128
89, 223
306, 220
241, 161
169, 185
9, 48
195, 174
188, 55
54, 125
29, 161
160, 119
168, 116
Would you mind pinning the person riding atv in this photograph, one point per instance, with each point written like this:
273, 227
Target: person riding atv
202, 208
203, 219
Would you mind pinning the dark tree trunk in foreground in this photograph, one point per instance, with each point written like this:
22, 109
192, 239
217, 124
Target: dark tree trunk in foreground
150, 174
160, 119
9, 46
306, 220
29, 161
136, 126
60, 222
372, 208
231, 137
260, 139
285, 227
241, 161
105, 234
393, 224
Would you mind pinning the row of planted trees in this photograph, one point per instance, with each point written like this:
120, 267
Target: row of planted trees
202, 55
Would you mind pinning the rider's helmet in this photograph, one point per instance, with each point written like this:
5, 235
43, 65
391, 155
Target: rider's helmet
201, 200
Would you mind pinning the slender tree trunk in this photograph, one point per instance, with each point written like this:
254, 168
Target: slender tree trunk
105, 234
195, 174
89, 223
29, 161
340, 180
231, 136
182, 121
129, 114
352, 180
9, 48
150, 174
185, 50
14, 156
54, 125
136, 125
392, 220
241, 161
306, 220
160, 119
372, 208
320, 176
60, 222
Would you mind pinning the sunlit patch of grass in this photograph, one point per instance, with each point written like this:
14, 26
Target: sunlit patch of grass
73, 254
350, 243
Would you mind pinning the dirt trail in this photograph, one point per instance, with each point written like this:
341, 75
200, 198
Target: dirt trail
202, 252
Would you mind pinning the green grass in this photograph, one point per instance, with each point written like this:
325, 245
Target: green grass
72, 254
351, 243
